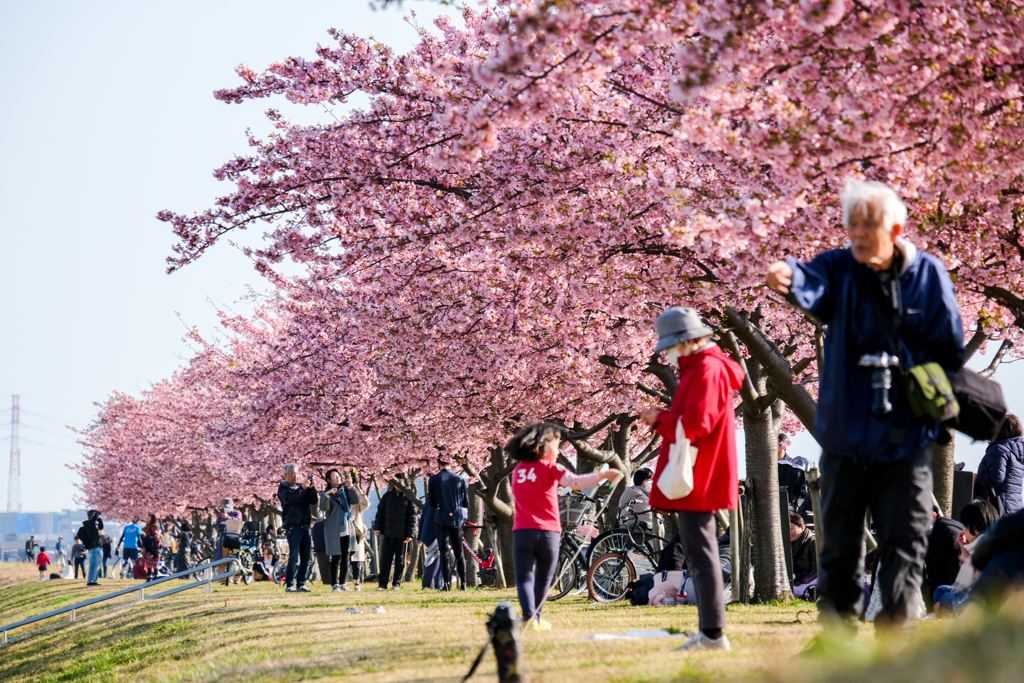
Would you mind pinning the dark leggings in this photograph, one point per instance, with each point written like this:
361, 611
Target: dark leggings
534, 553
339, 569
450, 537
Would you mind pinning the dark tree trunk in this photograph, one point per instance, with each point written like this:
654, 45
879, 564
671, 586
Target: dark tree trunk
771, 581
942, 473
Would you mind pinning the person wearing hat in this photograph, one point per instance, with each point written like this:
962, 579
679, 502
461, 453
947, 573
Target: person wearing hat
227, 512
703, 403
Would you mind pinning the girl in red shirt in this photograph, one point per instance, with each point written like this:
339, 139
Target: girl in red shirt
538, 526
42, 562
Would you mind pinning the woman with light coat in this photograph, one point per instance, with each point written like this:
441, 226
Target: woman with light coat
340, 505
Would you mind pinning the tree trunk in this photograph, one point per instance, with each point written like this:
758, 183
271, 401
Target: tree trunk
472, 536
503, 533
942, 473
414, 559
771, 581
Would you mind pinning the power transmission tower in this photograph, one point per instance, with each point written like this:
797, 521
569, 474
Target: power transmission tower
14, 480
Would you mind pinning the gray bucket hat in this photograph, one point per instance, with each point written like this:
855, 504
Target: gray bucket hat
679, 324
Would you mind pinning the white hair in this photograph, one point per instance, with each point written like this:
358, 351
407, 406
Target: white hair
857, 194
290, 466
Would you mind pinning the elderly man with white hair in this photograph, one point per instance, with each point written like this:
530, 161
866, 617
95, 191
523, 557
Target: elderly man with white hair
880, 298
296, 517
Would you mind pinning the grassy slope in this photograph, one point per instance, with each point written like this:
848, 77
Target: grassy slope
259, 633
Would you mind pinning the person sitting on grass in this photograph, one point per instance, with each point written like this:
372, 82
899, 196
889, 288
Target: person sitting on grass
42, 562
538, 526
805, 558
977, 516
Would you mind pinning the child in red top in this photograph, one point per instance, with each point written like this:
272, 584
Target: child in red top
42, 562
537, 525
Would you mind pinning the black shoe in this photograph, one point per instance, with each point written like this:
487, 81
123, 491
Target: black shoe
93, 583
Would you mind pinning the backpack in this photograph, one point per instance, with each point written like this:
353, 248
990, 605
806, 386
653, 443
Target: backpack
232, 534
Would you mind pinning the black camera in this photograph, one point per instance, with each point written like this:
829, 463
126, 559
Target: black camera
881, 380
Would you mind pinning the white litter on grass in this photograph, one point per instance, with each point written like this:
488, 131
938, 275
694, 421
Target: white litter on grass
634, 634
354, 610
379, 610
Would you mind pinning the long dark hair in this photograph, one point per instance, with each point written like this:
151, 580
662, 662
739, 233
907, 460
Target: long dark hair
529, 442
151, 519
1011, 428
327, 478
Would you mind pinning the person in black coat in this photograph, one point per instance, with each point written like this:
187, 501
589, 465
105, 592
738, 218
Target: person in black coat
805, 557
296, 516
942, 560
395, 524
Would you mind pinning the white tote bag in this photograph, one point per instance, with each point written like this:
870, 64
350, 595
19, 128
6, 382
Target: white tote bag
676, 480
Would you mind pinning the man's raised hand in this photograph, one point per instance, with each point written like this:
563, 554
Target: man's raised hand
780, 277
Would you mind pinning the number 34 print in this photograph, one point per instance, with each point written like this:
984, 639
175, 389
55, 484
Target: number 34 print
525, 475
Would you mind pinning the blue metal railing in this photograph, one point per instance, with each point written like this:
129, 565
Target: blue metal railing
206, 582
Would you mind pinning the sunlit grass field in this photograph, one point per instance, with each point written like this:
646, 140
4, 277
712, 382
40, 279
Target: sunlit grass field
260, 633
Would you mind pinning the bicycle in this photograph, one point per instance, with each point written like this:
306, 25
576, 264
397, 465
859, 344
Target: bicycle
611, 572
571, 566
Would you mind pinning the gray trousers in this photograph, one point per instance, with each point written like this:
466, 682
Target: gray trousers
898, 494
700, 545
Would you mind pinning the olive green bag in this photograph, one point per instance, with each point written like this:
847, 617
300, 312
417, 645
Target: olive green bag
930, 392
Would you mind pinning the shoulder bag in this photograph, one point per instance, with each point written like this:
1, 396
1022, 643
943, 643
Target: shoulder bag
676, 480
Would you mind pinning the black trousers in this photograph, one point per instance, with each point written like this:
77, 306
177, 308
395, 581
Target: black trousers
700, 545
898, 494
450, 537
534, 556
339, 564
80, 562
392, 551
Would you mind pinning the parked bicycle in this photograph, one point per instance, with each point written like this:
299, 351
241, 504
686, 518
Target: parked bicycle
579, 513
626, 552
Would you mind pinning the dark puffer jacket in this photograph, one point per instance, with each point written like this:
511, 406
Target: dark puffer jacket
396, 516
1002, 472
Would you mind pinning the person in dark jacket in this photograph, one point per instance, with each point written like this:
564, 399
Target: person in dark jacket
1001, 472
395, 524
942, 559
296, 517
805, 558
448, 497
90, 535
999, 555
874, 457
183, 560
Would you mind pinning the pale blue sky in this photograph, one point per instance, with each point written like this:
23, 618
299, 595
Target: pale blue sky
108, 117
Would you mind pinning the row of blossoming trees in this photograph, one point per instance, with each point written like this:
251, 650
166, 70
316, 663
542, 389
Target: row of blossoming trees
489, 240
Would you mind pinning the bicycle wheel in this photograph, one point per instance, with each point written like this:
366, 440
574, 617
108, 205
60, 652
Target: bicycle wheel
567, 576
611, 541
609, 577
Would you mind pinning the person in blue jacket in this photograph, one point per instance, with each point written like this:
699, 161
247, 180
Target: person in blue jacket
873, 459
1001, 471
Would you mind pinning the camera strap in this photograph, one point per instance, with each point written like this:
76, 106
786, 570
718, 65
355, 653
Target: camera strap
894, 307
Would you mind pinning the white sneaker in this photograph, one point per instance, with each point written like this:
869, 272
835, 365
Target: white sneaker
699, 641
396, 588
290, 589
335, 588
381, 588
357, 587
343, 587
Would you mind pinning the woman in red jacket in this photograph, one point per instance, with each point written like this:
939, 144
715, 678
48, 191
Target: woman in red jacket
703, 402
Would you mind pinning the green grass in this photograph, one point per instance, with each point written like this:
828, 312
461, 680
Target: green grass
260, 633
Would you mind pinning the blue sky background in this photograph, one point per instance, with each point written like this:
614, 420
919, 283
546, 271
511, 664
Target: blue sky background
108, 117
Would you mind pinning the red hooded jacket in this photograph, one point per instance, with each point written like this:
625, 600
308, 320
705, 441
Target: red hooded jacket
704, 402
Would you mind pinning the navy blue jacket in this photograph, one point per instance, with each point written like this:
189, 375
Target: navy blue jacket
447, 496
1002, 472
829, 287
